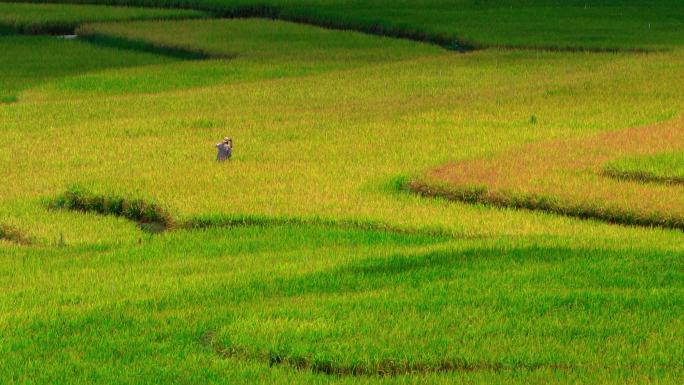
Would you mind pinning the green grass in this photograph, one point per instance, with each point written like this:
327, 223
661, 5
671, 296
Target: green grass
327, 144
256, 49
461, 24
660, 168
63, 19
300, 260
287, 304
32, 60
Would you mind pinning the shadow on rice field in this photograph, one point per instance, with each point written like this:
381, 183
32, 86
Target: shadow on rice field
458, 24
147, 47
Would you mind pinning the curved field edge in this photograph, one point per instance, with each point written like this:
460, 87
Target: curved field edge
262, 11
642, 176
567, 177
111, 41
156, 218
333, 18
64, 19
666, 168
272, 332
480, 194
383, 368
150, 216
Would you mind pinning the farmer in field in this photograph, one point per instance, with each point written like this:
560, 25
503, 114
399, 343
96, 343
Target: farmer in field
225, 149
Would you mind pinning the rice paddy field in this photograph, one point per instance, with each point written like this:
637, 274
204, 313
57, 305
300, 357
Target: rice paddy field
420, 192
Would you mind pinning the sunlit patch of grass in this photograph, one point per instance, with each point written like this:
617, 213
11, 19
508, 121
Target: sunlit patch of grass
417, 313
661, 168
47, 227
267, 40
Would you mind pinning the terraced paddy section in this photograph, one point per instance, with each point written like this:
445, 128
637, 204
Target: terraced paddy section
29, 61
327, 305
328, 145
264, 39
300, 261
458, 24
30, 18
566, 177
665, 168
242, 50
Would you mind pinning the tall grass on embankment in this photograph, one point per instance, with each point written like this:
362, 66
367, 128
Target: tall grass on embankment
138, 210
482, 195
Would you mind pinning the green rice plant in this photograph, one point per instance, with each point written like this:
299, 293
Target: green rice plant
258, 49
318, 304
299, 261
32, 60
630, 25
64, 18
320, 136
661, 168
563, 178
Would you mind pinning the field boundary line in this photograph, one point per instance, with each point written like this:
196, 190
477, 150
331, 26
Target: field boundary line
450, 43
154, 218
566, 177
392, 367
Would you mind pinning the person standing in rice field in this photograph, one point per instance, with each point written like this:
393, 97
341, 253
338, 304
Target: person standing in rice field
225, 149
